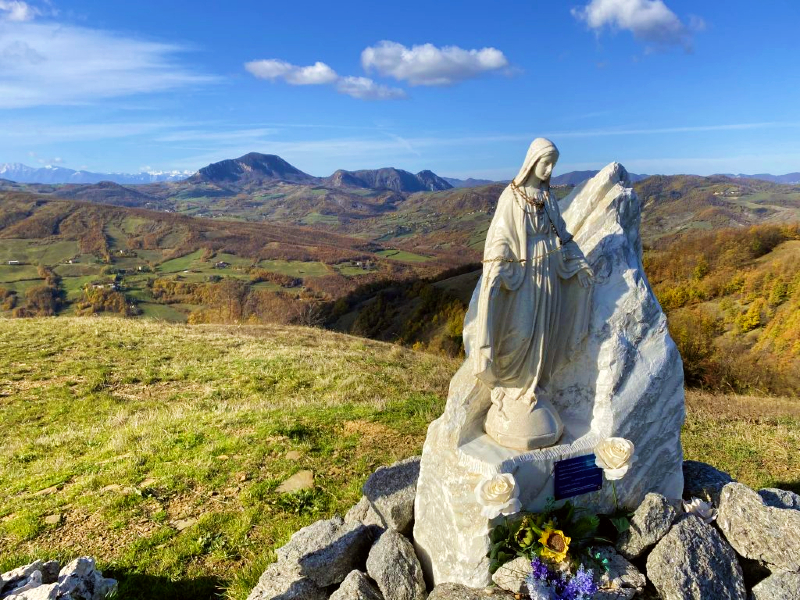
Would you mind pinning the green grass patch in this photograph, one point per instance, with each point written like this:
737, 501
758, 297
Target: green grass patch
295, 268
402, 255
162, 445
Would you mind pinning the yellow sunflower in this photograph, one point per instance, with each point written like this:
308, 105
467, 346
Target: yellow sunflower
555, 543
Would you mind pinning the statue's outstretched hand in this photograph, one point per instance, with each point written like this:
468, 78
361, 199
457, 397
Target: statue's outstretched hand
585, 277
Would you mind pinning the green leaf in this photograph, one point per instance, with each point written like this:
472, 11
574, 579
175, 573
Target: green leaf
621, 524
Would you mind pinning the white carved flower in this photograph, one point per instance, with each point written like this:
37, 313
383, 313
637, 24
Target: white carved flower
498, 495
702, 509
614, 455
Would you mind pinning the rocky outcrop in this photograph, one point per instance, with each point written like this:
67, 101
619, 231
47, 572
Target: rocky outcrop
391, 492
283, 581
701, 480
327, 551
780, 498
778, 586
511, 576
79, 580
693, 562
395, 568
759, 532
357, 586
650, 522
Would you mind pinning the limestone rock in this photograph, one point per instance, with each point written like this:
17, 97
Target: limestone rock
391, 491
511, 576
778, 586
283, 581
650, 522
79, 580
625, 379
356, 586
455, 591
395, 568
701, 480
364, 512
757, 531
326, 551
780, 498
302, 480
693, 562
623, 579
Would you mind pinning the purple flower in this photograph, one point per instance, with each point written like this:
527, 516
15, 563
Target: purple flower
545, 583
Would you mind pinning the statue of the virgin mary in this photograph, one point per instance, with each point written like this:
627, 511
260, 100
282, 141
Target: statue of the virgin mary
532, 306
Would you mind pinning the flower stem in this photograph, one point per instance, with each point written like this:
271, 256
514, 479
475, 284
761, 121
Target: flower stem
614, 489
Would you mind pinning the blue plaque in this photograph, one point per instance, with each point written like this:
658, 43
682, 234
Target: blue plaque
576, 476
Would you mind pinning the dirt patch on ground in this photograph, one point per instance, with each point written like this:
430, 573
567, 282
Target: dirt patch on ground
373, 434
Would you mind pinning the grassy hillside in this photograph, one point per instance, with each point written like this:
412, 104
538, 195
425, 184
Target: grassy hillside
159, 448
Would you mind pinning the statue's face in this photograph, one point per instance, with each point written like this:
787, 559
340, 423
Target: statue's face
544, 166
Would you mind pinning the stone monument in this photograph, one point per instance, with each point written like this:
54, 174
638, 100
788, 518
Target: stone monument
566, 346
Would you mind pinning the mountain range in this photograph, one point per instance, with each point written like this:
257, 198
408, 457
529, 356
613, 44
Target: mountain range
256, 168
53, 174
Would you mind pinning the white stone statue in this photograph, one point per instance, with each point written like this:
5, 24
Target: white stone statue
529, 316
548, 343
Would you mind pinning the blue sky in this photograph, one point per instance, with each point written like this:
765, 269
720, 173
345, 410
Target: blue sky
459, 88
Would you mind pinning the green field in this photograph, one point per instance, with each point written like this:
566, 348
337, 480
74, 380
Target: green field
402, 256
295, 268
160, 446
37, 252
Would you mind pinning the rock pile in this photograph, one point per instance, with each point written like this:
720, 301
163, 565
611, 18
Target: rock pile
752, 552
79, 580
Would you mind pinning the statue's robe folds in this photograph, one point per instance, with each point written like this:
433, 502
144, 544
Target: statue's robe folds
530, 311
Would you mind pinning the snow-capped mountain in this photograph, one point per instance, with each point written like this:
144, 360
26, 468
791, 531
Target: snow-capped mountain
53, 174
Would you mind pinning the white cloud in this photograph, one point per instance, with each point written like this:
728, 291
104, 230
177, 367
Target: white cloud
428, 65
650, 21
366, 89
15, 10
57, 64
319, 73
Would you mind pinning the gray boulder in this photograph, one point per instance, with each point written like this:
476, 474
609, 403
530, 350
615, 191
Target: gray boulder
283, 581
394, 566
701, 480
780, 498
778, 586
391, 491
79, 580
693, 562
29, 576
455, 591
364, 512
326, 551
649, 523
623, 580
759, 532
511, 576
356, 586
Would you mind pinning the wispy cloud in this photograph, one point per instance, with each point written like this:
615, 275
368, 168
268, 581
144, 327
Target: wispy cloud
44, 63
650, 21
15, 10
428, 65
319, 73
